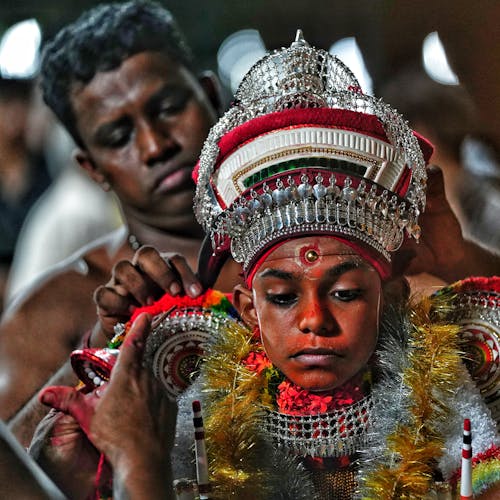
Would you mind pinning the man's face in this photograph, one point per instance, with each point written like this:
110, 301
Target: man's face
143, 125
317, 304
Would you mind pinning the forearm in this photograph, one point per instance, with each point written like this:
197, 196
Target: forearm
23, 424
143, 479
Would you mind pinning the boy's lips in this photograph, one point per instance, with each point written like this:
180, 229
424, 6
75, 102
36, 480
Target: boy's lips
316, 357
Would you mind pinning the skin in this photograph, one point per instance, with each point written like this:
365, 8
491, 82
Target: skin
130, 420
20, 477
149, 172
319, 320
143, 137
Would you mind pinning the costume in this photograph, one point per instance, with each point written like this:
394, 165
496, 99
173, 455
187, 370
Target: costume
303, 152
358, 442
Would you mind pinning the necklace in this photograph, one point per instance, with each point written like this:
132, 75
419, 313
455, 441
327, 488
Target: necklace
338, 433
134, 243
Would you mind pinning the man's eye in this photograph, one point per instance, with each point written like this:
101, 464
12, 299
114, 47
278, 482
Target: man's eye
167, 111
347, 295
172, 107
281, 299
117, 138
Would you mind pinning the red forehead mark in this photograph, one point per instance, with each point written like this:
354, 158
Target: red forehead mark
309, 254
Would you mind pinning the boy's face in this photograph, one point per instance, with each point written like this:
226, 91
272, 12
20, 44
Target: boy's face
143, 125
317, 304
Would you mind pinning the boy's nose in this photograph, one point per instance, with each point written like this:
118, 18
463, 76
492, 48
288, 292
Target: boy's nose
316, 318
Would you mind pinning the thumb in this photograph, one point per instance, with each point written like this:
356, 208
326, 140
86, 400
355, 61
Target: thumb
130, 356
70, 401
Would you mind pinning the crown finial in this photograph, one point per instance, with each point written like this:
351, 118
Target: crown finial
299, 40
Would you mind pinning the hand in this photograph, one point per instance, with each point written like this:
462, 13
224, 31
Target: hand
443, 251
140, 282
66, 455
441, 246
130, 419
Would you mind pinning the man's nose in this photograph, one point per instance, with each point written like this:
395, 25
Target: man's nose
154, 143
316, 317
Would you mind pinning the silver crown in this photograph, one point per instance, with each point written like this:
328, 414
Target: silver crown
317, 200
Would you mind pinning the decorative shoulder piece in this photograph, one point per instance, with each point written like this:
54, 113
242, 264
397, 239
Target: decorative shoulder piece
303, 150
476, 308
181, 328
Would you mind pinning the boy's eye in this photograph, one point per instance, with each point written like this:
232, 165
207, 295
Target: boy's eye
281, 299
347, 295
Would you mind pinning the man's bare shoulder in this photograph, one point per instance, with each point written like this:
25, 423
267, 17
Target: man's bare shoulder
70, 280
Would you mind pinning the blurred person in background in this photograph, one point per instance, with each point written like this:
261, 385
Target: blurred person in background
24, 173
447, 116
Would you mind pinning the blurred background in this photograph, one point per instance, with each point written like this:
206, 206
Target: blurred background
436, 61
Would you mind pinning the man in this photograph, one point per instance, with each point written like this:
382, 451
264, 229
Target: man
121, 80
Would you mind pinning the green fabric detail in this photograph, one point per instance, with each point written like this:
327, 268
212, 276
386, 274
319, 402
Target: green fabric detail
329, 164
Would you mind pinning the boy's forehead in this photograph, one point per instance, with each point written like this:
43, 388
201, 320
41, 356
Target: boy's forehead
310, 250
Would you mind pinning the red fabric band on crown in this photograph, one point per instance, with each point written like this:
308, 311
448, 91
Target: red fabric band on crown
377, 261
327, 117
335, 118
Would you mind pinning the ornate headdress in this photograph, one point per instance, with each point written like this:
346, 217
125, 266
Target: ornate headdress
303, 151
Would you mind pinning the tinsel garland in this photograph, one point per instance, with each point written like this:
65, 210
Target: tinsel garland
430, 374
234, 406
486, 471
214, 300
239, 384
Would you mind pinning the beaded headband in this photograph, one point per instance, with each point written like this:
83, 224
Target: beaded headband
303, 151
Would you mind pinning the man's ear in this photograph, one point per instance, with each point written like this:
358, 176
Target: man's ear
85, 161
243, 301
212, 87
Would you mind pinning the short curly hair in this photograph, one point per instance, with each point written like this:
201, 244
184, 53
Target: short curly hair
100, 40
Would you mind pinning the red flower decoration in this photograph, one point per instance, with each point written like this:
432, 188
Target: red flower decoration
294, 400
257, 361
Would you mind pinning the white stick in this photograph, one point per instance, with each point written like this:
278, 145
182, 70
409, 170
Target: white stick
466, 475
201, 452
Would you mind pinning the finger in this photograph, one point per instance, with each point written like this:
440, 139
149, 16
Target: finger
138, 285
130, 358
435, 188
189, 280
70, 401
111, 304
159, 269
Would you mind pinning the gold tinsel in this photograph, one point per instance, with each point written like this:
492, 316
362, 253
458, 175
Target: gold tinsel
431, 375
233, 409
